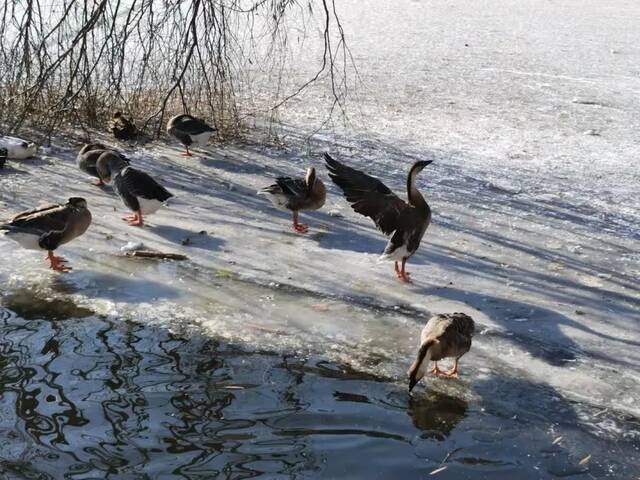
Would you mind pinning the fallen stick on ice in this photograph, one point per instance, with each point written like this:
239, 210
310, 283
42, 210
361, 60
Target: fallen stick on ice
150, 254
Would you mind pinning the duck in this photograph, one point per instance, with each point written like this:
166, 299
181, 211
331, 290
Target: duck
17, 148
189, 130
48, 227
137, 189
88, 157
296, 194
445, 335
122, 127
405, 223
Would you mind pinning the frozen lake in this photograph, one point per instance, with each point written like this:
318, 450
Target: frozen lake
268, 352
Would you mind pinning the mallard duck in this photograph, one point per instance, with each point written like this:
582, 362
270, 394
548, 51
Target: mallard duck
88, 157
189, 130
444, 335
404, 222
138, 190
46, 228
123, 128
295, 194
18, 148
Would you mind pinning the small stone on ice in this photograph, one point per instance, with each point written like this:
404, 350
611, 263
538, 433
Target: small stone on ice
591, 132
335, 213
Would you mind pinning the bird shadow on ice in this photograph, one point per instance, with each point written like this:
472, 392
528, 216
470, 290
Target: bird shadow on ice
344, 235
518, 411
9, 169
235, 166
183, 236
548, 341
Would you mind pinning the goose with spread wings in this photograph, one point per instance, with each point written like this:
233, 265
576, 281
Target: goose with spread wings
48, 227
190, 131
137, 189
405, 223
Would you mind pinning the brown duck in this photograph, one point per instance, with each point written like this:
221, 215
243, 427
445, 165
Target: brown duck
46, 228
404, 222
296, 194
123, 128
444, 335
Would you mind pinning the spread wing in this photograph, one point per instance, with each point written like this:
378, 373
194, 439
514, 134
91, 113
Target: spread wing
367, 195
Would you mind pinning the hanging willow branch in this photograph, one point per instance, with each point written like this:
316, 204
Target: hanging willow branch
72, 63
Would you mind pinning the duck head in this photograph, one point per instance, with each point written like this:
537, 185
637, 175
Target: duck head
77, 202
109, 164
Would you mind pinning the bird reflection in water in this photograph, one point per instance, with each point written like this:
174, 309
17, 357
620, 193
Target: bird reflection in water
436, 413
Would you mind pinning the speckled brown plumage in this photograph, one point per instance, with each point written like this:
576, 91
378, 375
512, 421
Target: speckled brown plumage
444, 335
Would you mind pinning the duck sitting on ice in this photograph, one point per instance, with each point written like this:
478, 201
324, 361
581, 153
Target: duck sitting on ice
46, 228
18, 148
444, 335
190, 131
295, 194
138, 190
122, 127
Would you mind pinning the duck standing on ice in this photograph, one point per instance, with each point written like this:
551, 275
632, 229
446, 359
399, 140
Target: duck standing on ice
444, 335
190, 131
295, 194
48, 227
88, 158
138, 190
404, 222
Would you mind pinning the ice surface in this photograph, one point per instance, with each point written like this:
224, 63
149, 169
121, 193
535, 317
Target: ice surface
535, 227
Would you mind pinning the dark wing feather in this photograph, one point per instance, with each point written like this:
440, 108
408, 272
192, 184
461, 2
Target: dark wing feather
184, 138
140, 184
295, 187
368, 196
193, 126
46, 218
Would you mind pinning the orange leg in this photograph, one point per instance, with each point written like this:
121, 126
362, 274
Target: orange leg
436, 371
453, 373
135, 219
403, 275
299, 227
57, 263
99, 183
187, 153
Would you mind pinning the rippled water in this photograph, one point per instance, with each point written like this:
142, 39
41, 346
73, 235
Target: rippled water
88, 396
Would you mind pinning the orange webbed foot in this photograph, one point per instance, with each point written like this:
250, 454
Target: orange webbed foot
58, 264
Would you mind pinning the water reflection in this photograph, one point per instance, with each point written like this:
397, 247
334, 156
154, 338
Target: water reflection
95, 397
435, 413
29, 305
